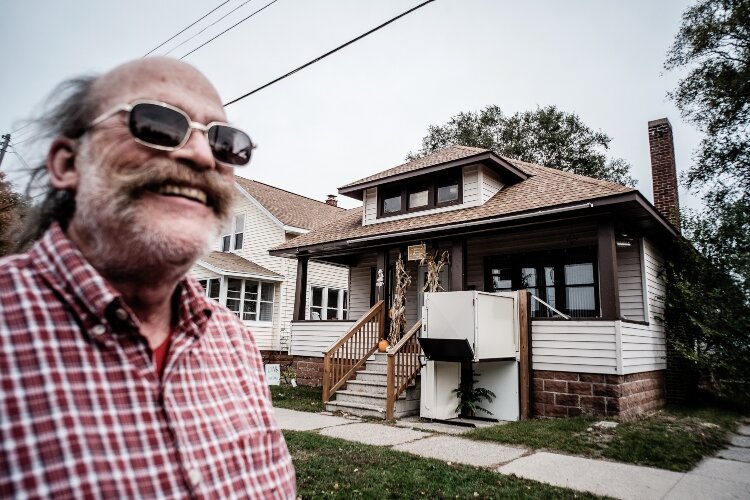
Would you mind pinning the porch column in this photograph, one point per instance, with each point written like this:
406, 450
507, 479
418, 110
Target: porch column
458, 258
382, 263
300, 292
609, 296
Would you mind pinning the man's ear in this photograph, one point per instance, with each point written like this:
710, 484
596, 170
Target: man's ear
61, 164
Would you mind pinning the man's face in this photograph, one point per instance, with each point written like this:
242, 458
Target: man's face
138, 207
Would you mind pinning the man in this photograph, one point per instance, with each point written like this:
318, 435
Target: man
118, 377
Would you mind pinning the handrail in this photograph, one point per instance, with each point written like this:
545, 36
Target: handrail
549, 306
349, 353
403, 367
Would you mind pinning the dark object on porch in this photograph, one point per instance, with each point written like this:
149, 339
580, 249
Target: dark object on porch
446, 349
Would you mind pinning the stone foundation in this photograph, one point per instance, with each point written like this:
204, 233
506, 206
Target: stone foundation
309, 370
566, 394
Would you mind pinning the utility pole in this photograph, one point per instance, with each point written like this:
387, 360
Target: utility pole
6, 140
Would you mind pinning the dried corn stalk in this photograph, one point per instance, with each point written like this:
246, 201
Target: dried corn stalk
397, 312
432, 283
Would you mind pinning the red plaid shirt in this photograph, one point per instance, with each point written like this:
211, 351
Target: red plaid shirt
83, 413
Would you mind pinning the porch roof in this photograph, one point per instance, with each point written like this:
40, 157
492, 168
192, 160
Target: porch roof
545, 191
233, 265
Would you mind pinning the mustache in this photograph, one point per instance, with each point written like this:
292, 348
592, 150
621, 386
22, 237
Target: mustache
159, 171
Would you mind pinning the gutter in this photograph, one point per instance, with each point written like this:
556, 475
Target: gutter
470, 224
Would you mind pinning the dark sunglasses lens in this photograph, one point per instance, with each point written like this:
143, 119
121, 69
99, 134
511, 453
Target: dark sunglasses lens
230, 145
157, 125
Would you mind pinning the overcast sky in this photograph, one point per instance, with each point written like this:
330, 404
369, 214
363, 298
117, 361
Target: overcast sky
364, 108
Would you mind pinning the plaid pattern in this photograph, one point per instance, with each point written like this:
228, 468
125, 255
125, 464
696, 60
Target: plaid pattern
83, 413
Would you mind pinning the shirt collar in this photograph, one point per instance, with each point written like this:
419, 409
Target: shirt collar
67, 271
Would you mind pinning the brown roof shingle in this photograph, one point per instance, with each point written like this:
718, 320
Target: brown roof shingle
443, 156
233, 263
290, 208
545, 188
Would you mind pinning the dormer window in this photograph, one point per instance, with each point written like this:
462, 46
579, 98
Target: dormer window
438, 191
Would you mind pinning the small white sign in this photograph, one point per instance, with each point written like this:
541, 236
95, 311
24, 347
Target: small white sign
273, 374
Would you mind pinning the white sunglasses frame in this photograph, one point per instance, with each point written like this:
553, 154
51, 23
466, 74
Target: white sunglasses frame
128, 107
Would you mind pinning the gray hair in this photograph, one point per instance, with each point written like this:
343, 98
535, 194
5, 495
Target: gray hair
71, 108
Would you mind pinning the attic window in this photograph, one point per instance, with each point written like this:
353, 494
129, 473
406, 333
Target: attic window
435, 192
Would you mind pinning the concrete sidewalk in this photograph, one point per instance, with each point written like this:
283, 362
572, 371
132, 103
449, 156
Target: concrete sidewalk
726, 476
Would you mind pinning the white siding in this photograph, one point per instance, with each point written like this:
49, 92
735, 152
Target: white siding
359, 291
370, 204
263, 336
200, 273
630, 284
311, 338
471, 190
643, 348
491, 183
574, 346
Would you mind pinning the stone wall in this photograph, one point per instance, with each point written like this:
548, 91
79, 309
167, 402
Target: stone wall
566, 394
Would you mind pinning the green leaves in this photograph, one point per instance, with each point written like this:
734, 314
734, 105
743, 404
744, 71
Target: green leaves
546, 136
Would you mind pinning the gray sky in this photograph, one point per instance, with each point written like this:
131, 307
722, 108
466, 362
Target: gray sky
364, 108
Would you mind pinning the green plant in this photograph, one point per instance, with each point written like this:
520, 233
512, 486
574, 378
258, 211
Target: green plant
287, 374
471, 396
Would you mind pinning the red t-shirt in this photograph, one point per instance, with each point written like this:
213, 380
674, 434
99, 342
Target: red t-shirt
160, 356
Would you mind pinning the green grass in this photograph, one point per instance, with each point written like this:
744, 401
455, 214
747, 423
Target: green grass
297, 398
329, 467
674, 439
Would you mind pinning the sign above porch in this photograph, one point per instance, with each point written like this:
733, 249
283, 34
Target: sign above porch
416, 252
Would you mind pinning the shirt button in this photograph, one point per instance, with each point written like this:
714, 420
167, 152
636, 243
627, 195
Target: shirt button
121, 314
194, 475
99, 330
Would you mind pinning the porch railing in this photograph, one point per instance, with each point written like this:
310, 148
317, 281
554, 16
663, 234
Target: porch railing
342, 360
403, 367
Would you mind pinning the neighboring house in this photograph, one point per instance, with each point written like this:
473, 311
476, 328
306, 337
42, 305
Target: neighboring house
260, 288
591, 249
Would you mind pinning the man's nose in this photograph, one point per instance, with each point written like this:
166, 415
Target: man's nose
196, 150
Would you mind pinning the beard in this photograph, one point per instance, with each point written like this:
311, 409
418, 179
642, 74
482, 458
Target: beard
123, 241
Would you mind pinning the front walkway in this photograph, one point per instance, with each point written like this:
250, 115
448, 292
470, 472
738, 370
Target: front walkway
726, 476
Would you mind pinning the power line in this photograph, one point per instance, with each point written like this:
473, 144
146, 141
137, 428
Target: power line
231, 27
204, 29
20, 128
329, 52
187, 28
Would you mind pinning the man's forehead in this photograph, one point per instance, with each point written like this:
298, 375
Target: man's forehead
161, 79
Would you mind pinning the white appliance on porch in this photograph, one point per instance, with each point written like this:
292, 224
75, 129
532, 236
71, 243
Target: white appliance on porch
470, 326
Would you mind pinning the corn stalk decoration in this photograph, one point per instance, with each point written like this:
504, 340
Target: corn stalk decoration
432, 283
397, 312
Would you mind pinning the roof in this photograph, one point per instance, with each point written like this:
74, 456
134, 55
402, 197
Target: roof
451, 157
230, 263
544, 188
290, 208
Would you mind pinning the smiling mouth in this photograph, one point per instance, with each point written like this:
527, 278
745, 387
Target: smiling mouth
190, 193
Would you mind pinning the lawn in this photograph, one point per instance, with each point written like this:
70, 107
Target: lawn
330, 467
297, 398
674, 439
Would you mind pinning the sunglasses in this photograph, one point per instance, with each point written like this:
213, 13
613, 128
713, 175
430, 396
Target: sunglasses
164, 127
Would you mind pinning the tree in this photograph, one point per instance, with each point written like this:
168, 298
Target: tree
713, 44
12, 209
546, 136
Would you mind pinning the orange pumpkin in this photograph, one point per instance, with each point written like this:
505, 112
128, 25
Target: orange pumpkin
383, 345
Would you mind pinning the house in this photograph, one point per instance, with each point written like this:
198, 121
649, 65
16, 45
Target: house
260, 288
590, 251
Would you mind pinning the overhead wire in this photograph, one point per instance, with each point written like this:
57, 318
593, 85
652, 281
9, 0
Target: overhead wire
230, 28
204, 29
187, 28
363, 35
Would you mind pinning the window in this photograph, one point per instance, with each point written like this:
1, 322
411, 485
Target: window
211, 287
328, 304
232, 238
438, 191
564, 279
250, 300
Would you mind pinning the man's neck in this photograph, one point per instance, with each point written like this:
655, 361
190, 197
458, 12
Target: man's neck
152, 304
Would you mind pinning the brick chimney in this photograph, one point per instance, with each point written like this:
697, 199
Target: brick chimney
664, 170
332, 200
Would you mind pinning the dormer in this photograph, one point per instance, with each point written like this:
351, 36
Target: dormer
451, 179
